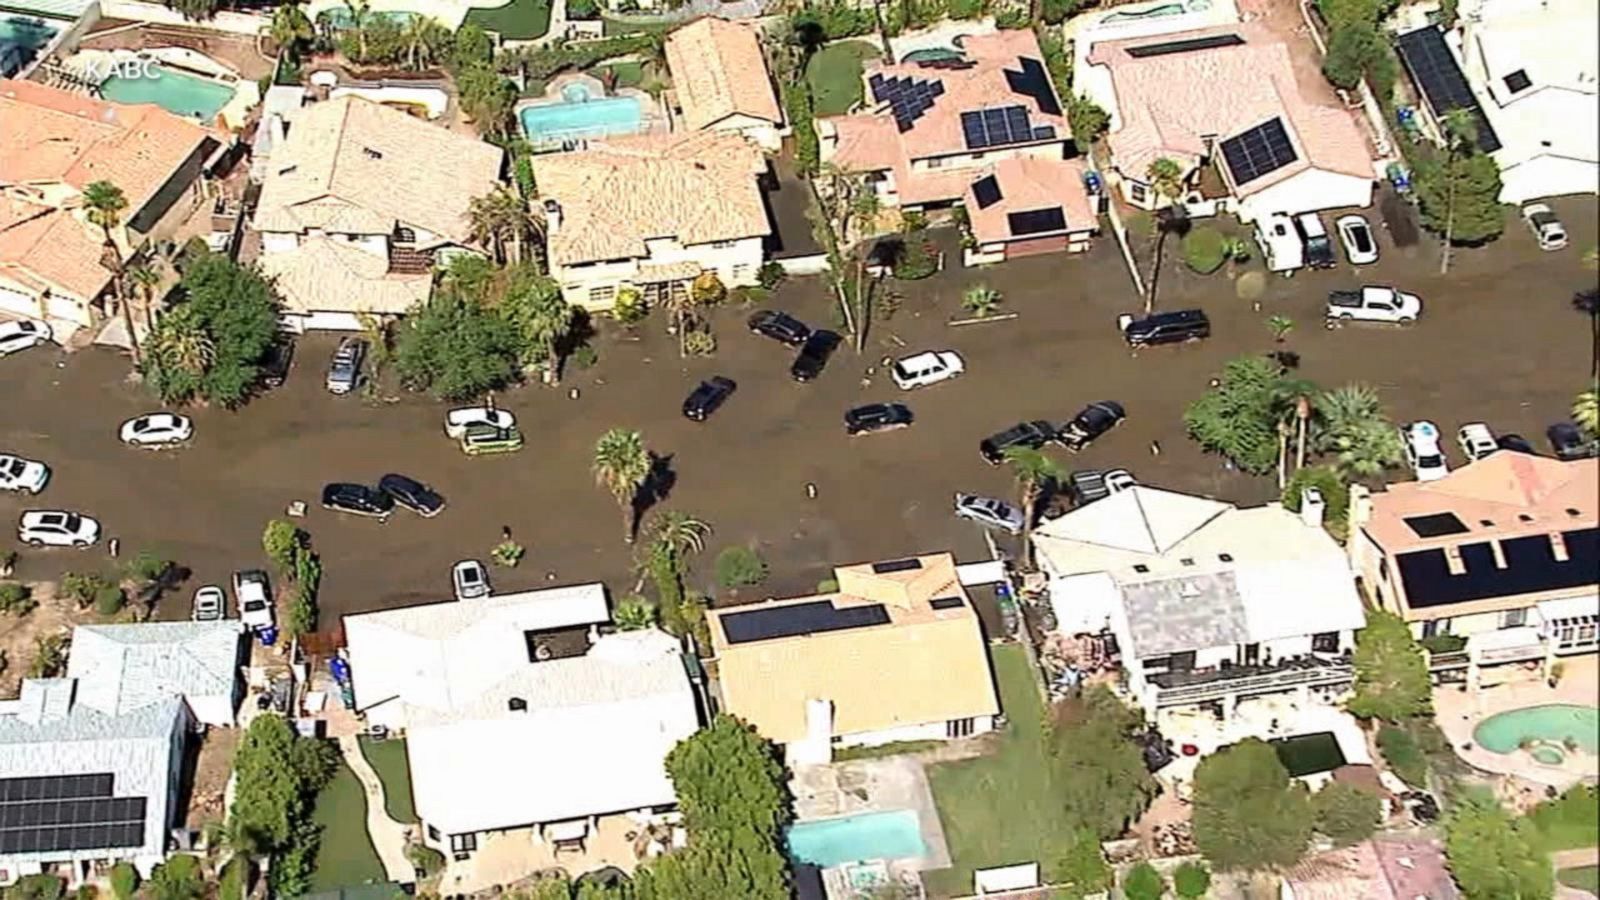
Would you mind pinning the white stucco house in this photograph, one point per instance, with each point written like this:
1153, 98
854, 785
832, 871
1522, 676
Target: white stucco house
121, 668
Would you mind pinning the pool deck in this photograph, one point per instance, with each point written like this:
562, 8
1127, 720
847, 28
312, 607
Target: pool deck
1458, 713
941, 36
873, 785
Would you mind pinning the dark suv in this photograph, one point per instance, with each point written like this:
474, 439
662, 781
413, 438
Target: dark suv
357, 499
1032, 435
780, 326
1166, 328
1569, 443
275, 365
814, 355
706, 398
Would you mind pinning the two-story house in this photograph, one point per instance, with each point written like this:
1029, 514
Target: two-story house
359, 202
1206, 601
720, 81
653, 212
987, 131
1504, 552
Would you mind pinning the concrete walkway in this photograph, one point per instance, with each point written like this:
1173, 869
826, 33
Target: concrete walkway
1571, 859
388, 836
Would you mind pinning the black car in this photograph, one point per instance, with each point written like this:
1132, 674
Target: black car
412, 494
275, 365
1166, 328
1091, 422
357, 499
780, 326
814, 355
1515, 442
1032, 435
704, 400
875, 417
1569, 443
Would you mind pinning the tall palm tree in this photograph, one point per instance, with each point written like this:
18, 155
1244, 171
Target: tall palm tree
1034, 472
1460, 139
621, 466
1166, 183
105, 204
424, 38
1588, 303
145, 278
549, 321
1356, 430
182, 344
497, 218
290, 27
360, 18
1586, 411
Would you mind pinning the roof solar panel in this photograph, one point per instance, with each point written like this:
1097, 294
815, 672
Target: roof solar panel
1044, 133
796, 619
1260, 151
987, 191
1037, 221
1437, 74
1211, 42
1033, 81
1435, 525
972, 130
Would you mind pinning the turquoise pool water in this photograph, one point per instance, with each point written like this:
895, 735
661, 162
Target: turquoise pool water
341, 18
581, 115
1156, 12
173, 91
1504, 732
933, 54
848, 839
21, 39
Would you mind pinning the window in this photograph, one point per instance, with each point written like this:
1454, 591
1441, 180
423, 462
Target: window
722, 245
1326, 642
1137, 192
741, 271
958, 728
602, 294
1435, 627
935, 163
1513, 618
1141, 568
433, 833
1383, 569
1183, 662
1157, 664
463, 844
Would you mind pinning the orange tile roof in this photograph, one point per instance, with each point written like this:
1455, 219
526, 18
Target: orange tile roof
1029, 184
718, 71
1501, 488
1169, 104
46, 249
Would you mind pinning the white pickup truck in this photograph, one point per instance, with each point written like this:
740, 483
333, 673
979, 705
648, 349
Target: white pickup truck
1374, 304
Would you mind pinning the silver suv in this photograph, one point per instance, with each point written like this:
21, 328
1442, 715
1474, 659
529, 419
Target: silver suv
344, 371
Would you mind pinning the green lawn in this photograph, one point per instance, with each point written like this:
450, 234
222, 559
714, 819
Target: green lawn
1584, 878
834, 74
345, 856
629, 74
616, 27
388, 759
519, 20
1569, 822
1000, 809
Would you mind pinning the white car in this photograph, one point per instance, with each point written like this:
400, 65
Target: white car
457, 421
1421, 440
22, 334
1374, 303
1360, 246
1119, 480
18, 474
57, 528
209, 604
470, 579
989, 511
1545, 226
923, 369
253, 595
1476, 441
157, 429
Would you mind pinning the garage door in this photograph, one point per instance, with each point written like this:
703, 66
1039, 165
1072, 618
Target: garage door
1035, 246
329, 321
18, 303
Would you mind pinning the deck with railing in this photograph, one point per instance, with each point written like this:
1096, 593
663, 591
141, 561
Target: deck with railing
1181, 688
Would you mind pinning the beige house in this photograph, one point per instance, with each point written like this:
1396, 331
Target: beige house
720, 81
1504, 552
359, 203
53, 144
653, 212
896, 654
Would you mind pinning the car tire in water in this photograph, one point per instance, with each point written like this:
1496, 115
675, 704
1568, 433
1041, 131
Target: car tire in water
35, 542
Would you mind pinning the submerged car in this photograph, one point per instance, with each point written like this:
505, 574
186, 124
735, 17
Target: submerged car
277, 363
707, 397
252, 593
457, 421
357, 500
412, 494
344, 369
157, 429
1546, 228
923, 369
1090, 423
1032, 435
210, 604
1360, 247
780, 326
1421, 440
480, 440
813, 356
876, 417
1567, 441
18, 474
989, 511
1476, 441
1174, 327
469, 579
56, 528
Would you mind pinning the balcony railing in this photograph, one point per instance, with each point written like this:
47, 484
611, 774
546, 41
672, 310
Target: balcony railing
1182, 688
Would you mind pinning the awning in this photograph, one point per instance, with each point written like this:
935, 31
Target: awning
1570, 608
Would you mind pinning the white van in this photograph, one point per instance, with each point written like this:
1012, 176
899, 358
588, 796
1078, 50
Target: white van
1317, 247
1280, 243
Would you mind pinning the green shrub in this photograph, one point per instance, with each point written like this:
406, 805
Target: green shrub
1191, 881
630, 307
771, 274
425, 859
740, 567
235, 879
1204, 250
918, 259
913, 221
583, 9
1443, 643
634, 613
1012, 18
797, 106
584, 356
109, 600
1345, 814
86, 892
1055, 12
828, 586
1335, 491
1404, 757
1143, 882
39, 887
16, 599
124, 880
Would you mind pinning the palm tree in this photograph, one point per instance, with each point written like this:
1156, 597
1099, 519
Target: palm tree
980, 300
424, 38
1280, 326
548, 323
1588, 303
621, 465
498, 217
1166, 183
1460, 137
1291, 403
290, 27
1033, 472
105, 203
360, 17
1356, 430
1586, 411
145, 279
182, 344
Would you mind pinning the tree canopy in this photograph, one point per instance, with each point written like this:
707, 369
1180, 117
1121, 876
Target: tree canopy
1239, 417
1459, 191
210, 345
1345, 814
1248, 814
1099, 767
1492, 857
277, 777
1391, 678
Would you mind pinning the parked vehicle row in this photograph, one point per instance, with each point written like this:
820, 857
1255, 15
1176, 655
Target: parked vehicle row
481, 430
379, 502
1090, 423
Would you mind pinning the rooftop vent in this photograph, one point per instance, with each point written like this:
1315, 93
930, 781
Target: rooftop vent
1225, 557
371, 153
517, 704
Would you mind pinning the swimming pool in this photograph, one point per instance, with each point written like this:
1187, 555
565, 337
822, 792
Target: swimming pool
878, 835
1157, 12
341, 18
581, 114
933, 54
1309, 754
1554, 724
21, 39
174, 91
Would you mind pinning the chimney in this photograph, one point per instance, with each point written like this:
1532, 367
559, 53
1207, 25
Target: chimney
517, 704
552, 216
1312, 507
1360, 506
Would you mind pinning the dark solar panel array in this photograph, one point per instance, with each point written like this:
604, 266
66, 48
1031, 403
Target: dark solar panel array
799, 618
1435, 525
908, 98
1034, 81
997, 127
987, 191
945, 602
1438, 76
889, 567
1037, 221
1260, 151
67, 812
1205, 43
1531, 567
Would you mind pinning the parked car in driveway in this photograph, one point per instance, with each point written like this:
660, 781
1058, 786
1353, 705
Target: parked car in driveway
276, 364
1423, 454
210, 604
457, 421
707, 397
1374, 303
481, 440
252, 594
158, 429
989, 511
20, 334
412, 494
1546, 228
922, 369
813, 356
1360, 246
18, 474
780, 326
1314, 238
1476, 441
1090, 423
469, 579
344, 370
357, 500
56, 528
1568, 441
1174, 327
876, 417
1033, 435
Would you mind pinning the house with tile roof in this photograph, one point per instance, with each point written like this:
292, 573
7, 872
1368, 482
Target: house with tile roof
896, 653
653, 212
1226, 100
1504, 552
1385, 868
987, 131
53, 144
720, 81
358, 205
562, 726
1206, 601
